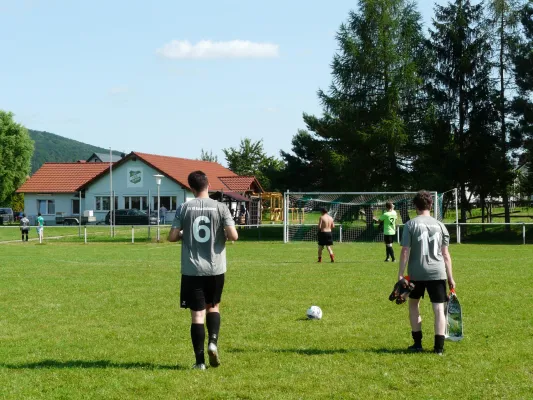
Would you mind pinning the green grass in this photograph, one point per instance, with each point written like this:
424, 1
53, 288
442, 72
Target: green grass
102, 321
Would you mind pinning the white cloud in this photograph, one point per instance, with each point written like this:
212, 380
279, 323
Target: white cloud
206, 49
118, 90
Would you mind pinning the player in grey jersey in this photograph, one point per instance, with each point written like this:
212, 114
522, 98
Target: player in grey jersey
203, 225
425, 243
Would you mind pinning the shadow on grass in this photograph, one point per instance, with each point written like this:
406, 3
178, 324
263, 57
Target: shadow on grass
305, 352
312, 352
384, 350
84, 364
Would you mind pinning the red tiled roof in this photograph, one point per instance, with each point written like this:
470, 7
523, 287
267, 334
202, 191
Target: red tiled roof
241, 183
61, 177
179, 169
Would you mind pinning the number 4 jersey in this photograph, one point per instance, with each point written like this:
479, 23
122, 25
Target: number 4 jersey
203, 252
425, 236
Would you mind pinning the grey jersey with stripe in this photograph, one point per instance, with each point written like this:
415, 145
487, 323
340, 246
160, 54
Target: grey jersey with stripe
425, 236
203, 252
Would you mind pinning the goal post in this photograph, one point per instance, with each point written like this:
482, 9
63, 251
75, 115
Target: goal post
354, 213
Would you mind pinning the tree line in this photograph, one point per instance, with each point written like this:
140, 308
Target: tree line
408, 110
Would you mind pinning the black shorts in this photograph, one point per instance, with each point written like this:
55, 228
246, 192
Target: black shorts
436, 290
389, 239
325, 239
199, 291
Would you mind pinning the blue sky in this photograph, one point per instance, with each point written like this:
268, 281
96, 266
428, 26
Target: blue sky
169, 77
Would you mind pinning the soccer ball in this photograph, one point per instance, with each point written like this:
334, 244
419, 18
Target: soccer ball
314, 312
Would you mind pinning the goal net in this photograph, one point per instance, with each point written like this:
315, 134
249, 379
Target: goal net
353, 213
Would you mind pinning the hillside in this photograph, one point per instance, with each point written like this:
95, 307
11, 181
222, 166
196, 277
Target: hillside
50, 147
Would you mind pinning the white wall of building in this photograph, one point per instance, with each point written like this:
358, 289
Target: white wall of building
135, 179
50, 203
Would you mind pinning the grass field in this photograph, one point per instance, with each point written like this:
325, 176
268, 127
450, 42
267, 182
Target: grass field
101, 321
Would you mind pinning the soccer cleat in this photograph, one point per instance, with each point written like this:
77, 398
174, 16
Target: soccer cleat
415, 348
212, 350
386, 260
332, 258
438, 352
319, 259
201, 367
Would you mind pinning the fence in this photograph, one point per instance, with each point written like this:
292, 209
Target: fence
493, 233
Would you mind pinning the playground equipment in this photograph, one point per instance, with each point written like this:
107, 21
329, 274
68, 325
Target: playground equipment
272, 204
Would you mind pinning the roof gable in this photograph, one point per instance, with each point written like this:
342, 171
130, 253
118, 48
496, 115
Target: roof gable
241, 183
61, 177
177, 169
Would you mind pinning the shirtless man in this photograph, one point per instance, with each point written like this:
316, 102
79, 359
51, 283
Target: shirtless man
325, 238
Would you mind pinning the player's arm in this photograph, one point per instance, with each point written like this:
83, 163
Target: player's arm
229, 224
448, 265
320, 223
176, 233
404, 255
231, 232
404, 258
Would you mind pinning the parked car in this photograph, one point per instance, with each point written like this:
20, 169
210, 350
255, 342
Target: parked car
6, 215
132, 217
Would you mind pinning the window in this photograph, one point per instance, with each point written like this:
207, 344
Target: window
137, 202
46, 207
102, 203
75, 206
168, 201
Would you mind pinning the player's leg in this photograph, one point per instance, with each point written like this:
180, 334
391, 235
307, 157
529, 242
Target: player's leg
320, 248
437, 294
391, 252
191, 296
414, 316
213, 298
331, 255
198, 337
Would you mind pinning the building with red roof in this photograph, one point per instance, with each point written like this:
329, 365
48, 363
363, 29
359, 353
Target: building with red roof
56, 188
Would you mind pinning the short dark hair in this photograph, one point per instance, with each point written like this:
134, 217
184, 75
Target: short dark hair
23, 214
198, 181
38, 214
388, 205
323, 210
423, 200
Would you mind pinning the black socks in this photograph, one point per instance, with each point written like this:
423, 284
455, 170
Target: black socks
439, 343
212, 320
198, 339
417, 337
390, 252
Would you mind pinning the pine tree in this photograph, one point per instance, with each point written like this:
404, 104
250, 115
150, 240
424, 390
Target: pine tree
504, 21
522, 104
370, 110
461, 87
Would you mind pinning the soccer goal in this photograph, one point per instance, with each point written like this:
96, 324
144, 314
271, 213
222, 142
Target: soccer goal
353, 213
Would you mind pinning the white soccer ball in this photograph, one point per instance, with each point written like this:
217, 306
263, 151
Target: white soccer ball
314, 312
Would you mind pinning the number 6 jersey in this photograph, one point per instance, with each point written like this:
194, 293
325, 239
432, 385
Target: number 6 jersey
425, 236
203, 252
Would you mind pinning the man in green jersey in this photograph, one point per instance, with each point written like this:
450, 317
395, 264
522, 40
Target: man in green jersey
425, 242
40, 227
389, 218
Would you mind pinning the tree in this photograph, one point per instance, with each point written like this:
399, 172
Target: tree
372, 106
504, 20
461, 88
16, 149
522, 104
208, 156
251, 159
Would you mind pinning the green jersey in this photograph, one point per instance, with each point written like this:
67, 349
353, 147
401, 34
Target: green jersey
40, 221
389, 222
